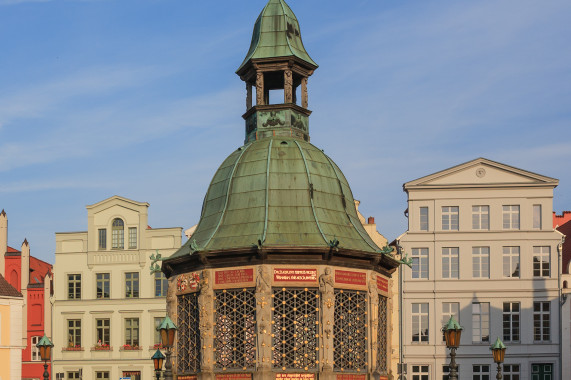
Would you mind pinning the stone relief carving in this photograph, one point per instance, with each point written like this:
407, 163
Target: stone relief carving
259, 88
288, 86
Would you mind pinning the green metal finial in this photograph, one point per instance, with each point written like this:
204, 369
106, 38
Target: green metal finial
158, 355
406, 261
154, 259
498, 345
45, 342
167, 324
386, 250
194, 246
452, 325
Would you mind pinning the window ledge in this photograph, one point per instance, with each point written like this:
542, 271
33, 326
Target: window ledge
136, 348
72, 349
102, 348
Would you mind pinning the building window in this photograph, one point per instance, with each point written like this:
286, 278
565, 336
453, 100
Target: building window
511, 262
450, 218
537, 216
189, 349
102, 375
35, 350
420, 263
131, 332
350, 331
132, 285
419, 322
132, 237
481, 262
480, 322
511, 321
449, 309
541, 322
541, 261
102, 283
133, 375
235, 329
74, 333
481, 217
511, 217
424, 218
118, 234
511, 372
420, 372
446, 371
481, 372
161, 284
73, 375
157, 333
450, 262
102, 331
73, 286
382, 327
102, 238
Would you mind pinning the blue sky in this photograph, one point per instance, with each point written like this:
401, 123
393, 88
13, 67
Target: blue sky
139, 98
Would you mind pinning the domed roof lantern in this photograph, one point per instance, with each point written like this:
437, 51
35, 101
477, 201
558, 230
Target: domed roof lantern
276, 65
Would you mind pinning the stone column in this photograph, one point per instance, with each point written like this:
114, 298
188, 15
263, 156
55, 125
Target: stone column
260, 89
248, 96
326, 288
172, 313
304, 102
373, 321
288, 86
206, 325
264, 326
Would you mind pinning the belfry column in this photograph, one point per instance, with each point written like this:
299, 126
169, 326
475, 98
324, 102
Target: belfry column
304, 102
288, 86
264, 317
248, 96
206, 317
326, 287
260, 101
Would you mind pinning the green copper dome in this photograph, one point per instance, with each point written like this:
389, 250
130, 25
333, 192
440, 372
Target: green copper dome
278, 192
277, 34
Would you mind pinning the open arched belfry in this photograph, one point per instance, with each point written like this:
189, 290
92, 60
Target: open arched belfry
280, 279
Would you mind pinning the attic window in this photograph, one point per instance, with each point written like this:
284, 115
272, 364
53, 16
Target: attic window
118, 234
284, 143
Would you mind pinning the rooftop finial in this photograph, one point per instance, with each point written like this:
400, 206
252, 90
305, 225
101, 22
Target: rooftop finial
3, 213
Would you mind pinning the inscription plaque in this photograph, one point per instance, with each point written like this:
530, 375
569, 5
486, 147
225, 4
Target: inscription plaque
347, 376
233, 376
350, 277
295, 275
234, 276
188, 377
382, 284
295, 376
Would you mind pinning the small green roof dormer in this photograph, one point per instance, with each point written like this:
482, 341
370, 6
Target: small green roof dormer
277, 34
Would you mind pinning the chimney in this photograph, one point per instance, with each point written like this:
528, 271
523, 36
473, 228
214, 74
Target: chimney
3, 241
371, 220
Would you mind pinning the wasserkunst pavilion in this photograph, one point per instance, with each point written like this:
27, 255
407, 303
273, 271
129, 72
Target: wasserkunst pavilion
280, 279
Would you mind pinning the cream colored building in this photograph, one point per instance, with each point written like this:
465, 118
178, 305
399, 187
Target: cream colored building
484, 249
11, 343
107, 303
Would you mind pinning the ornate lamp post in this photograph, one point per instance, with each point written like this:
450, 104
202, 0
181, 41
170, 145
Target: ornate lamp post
452, 332
45, 346
168, 330
499, 352
158, 358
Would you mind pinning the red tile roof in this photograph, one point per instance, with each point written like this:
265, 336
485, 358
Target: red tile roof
8, 290
12, 250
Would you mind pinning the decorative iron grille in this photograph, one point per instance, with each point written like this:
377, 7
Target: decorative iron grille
235, 329
350, 331
188, 334
382, 335
295, 328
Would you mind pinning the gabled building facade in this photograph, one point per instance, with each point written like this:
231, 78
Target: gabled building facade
11, 331
484, 250
31, 277
107, 302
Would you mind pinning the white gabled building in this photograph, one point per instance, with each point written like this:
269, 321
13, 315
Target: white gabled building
484, 249
107, 303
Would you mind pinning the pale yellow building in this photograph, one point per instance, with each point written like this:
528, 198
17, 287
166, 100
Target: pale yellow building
484, 249
107, 302
11, 307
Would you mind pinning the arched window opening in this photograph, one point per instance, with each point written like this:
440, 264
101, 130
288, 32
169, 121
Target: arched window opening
564, 284
118, 234
14, 279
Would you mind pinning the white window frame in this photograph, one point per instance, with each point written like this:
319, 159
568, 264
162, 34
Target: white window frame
132, 237
35, 354
423, 219
450, 218
480, 217
511, 370
450, 262
542, 321
511, 322
420, 264
510, 258
480, 262
420, 371
510, 217
480, 373
420, 312
449, 309
541, 261
480, 322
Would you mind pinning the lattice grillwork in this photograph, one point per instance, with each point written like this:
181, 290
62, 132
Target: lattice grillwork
295, 328
235, 329
188, 334
350, 331
382, 335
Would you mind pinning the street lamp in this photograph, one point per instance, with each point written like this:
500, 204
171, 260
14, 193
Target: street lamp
499, 352
45, 346
158, 358
168, 330
452, 333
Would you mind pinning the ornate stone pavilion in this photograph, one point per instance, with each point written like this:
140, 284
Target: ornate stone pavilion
280, 279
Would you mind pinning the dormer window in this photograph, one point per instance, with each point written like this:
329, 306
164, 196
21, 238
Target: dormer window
118, 234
